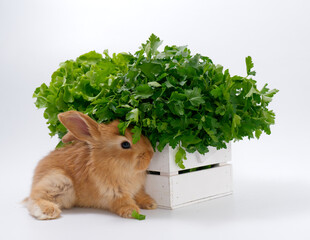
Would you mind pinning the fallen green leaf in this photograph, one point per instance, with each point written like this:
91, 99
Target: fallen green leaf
137, 216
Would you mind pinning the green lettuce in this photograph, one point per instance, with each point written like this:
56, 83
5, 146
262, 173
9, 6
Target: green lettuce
170, 96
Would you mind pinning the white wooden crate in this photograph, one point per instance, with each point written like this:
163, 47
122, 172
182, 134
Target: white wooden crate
171, 188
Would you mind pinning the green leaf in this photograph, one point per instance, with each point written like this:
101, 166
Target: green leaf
202, 148
133, 115
144, 91
190, 139
236, 121
271, 93
162, 127
249, 66
104, 114
68, 97
41, 91
41, 102
154, 84
150, 70
176, 96
91, 57
51, 113
220, 110
145, 107
258, 132
137, 216
136, 134
122, 127
60, 144
194, 96
212, 134
179, 157
251, 92
151, 45
176, 107
60, 104
164, 140
217, 92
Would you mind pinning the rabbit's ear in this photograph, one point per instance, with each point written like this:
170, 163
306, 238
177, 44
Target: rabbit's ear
69, 137
80, 126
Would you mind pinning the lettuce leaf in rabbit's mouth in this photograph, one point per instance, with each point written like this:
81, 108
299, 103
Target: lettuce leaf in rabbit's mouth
171, 96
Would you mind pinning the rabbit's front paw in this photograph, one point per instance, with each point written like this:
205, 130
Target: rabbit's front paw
145, 201
148, 203
126, 210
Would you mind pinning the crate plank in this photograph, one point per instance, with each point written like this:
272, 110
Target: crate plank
192, 186
164, 163
174, 191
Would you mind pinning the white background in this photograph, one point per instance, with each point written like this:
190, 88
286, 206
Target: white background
271, 197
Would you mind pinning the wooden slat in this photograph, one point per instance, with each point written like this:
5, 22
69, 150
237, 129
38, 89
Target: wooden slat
183, 189
164, 162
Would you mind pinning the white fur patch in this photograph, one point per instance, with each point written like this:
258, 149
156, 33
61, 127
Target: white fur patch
35, 210
37, 213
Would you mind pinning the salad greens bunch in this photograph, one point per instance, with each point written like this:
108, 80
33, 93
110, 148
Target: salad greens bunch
170, 96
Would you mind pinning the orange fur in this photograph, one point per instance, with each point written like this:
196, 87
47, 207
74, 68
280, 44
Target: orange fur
93, 171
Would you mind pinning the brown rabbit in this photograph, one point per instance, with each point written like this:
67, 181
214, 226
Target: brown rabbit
100, 169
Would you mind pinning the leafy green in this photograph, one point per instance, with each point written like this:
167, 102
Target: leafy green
170, 96
138, 216
249, 66
136, 134
179, 156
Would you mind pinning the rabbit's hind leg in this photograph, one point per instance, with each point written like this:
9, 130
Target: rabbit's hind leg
49, 195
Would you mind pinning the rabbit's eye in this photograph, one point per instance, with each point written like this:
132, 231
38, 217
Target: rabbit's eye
125, 145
